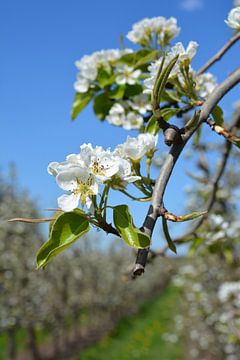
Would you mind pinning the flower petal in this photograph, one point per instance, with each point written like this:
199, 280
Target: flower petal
68, 202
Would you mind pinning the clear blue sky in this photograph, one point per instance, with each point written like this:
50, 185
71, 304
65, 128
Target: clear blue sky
40, 40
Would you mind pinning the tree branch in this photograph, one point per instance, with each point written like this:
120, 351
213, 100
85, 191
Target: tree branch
219, 54
156, 207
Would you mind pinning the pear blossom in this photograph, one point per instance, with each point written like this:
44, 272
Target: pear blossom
237, 3
80, 183
205, 84
89, 66
140, 103
132, 121
127, 75
229, 289
81, 175
233, 20
118, 116
185, 56
155, 30
136, 147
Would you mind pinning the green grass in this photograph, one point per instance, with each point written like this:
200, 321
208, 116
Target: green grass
140, 336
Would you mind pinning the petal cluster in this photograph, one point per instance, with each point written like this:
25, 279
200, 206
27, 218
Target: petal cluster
233, 20
205, 84
136, 147
82, 174
158, 30
89, 66
120, 116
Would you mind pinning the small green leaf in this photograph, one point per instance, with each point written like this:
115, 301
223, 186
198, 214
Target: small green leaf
138, 58
170, 96
191, 216
171, 244
162, 80
152, 126
101, 106
197, 136
128, 59
193, 121
167, 113
80, 102
105, 77
133, 90
124, 224
117, 92
67, 228
144, 56
217, 114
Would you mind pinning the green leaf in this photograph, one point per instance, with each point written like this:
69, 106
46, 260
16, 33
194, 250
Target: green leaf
193, 121
133, 90
128, 59
105, 77
169, 96
80, 102
197, 136
67, 228
162, 79
171, 244
217, 114
145, 56
101, 106
152, 126
138, 58
167, 113
191, 216
117, 92
124, 224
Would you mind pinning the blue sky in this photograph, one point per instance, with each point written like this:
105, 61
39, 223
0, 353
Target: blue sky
40, 41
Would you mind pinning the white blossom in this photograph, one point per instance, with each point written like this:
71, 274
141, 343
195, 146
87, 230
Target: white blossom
136, 147
229, 289
82, 174
127, 75
236, 3
118, 116
205, 84
184, 56
140, 103
80, 183
132, 121
157, 29
233, 20
89, 66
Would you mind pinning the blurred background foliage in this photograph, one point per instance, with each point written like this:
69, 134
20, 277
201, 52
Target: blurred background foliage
182, 308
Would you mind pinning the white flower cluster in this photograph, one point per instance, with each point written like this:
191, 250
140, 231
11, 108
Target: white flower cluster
205, 84
83, 173
228, 290
89, 66
128, 114
157, 29
178, 49
233, 20
127, 75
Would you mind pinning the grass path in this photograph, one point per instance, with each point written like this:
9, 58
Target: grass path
140, 337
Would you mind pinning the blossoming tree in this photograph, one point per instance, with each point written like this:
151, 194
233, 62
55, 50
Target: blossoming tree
142, 90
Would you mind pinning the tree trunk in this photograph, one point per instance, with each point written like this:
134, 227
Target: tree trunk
12, 347
32, 343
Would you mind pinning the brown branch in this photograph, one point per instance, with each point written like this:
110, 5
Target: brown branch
219, 54
224, 132
215, 186
165, 173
